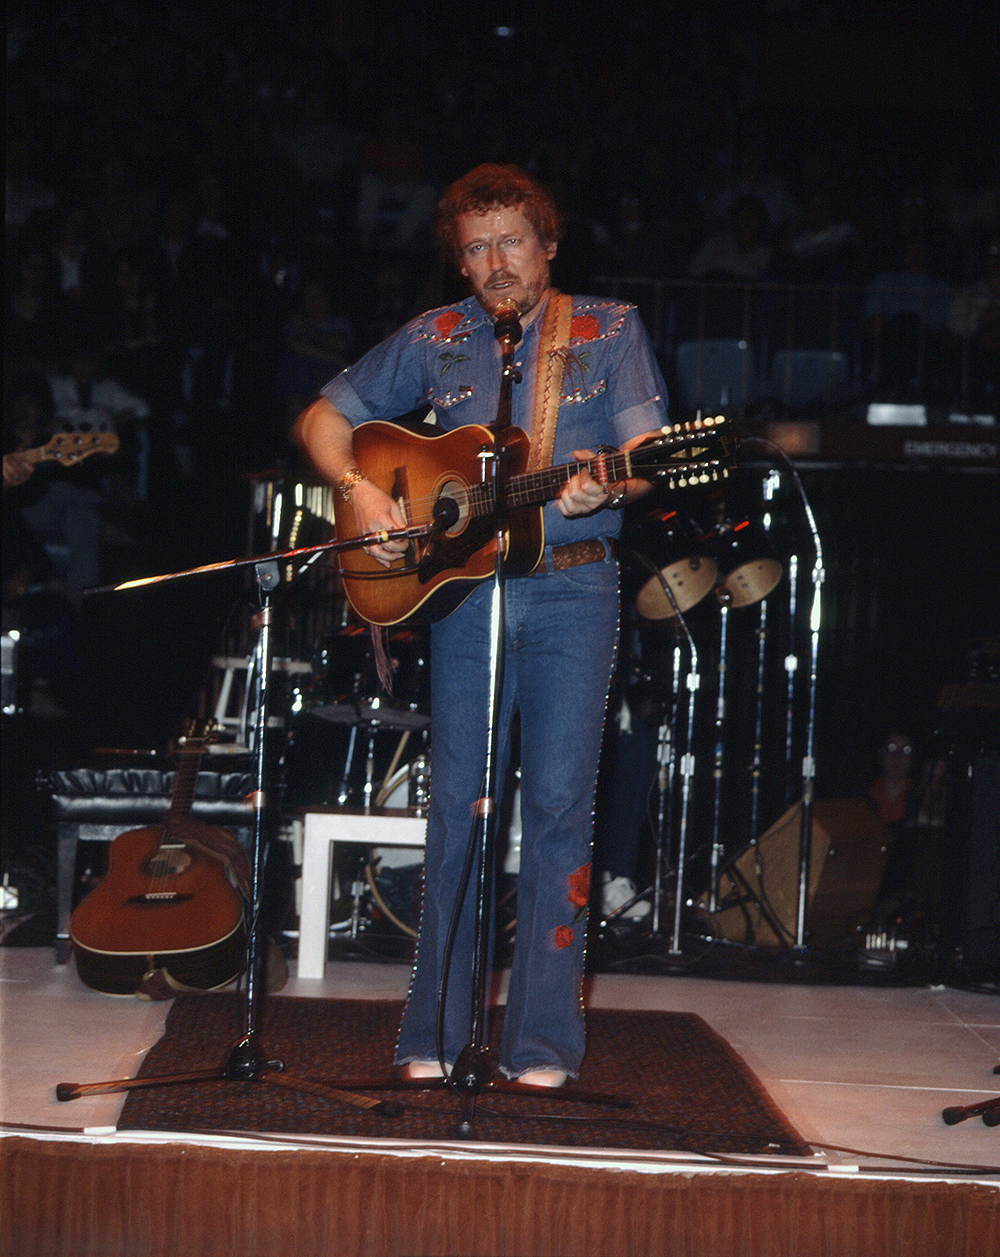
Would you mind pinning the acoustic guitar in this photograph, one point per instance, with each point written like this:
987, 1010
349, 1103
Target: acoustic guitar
68, 448
166, 901
439, 480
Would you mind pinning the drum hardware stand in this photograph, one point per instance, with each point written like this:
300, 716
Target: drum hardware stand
742, 582
771, 484
718, 762
667, 771
808, 759
791, 671
244, 1062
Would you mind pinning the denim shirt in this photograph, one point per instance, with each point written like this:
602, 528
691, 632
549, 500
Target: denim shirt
448, 359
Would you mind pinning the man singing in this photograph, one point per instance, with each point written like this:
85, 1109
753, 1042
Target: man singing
586, 380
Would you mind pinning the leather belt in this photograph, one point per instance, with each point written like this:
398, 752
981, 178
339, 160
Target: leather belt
575, 554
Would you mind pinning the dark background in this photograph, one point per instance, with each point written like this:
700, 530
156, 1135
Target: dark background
258, 127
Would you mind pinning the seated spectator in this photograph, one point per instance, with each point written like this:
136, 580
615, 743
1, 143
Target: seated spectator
129, 326
86, 400
395, 198
52, 522
31, 315
904, 311
316, 347
740, 253
821, 245
974, 317
748, 177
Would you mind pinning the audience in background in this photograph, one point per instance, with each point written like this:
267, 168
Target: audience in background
231, 208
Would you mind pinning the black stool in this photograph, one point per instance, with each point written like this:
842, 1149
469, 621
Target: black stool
98, 804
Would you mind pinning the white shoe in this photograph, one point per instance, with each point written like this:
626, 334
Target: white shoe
415, 1071
616, 891
543, 1078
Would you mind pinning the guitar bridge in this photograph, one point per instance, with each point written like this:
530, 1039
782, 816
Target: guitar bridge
157, 897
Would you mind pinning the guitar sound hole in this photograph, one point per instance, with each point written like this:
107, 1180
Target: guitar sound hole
457, 493
167, 863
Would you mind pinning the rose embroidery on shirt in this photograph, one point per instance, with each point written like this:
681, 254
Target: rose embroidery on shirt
584, 327
447, 322
562, 936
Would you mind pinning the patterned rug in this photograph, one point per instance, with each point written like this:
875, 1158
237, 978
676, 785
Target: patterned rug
689, 1090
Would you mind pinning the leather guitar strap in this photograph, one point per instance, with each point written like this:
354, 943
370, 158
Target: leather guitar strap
553, 345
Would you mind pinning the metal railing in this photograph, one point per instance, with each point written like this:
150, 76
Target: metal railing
809, 349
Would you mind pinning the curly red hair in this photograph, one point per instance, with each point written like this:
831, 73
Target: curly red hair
491, 186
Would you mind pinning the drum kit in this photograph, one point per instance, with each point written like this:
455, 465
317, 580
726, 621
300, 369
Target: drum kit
353, 746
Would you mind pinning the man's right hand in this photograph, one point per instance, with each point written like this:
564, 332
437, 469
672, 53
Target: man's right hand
375, 510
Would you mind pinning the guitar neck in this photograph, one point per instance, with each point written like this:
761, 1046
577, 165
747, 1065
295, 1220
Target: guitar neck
702, 441
532, 488
184, 783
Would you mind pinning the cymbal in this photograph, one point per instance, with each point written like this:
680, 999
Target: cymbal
689, 579
749, 583
373, 712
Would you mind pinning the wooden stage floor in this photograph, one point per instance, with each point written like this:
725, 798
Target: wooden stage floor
861, 1072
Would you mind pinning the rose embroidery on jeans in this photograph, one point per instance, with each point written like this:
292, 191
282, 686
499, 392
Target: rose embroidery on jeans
579, 886
562, 936
578, 891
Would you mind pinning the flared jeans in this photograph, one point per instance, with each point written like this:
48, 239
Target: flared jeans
560, 637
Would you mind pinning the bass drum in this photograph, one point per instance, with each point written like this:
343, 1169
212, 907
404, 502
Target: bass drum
395, 874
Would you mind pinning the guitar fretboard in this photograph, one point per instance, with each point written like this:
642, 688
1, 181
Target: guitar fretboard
534, 487
187, 776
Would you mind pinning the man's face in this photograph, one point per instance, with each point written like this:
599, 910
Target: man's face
499, 253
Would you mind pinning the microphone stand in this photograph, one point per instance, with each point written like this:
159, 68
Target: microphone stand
473, 1071
245, 1062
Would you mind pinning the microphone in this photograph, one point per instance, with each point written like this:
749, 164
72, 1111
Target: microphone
446, 514
507, 321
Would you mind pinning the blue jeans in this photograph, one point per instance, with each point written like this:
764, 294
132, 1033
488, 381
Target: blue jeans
561, 632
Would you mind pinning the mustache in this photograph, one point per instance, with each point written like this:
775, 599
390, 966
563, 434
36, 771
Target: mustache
500, 277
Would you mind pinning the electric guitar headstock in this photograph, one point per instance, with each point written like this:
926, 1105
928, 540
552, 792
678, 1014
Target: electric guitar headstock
69, 448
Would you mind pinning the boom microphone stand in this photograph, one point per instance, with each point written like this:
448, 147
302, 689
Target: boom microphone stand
244, 1062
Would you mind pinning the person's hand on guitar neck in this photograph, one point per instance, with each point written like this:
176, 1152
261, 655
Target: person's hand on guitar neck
582, 494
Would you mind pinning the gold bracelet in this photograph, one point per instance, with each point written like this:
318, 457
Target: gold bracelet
346, 483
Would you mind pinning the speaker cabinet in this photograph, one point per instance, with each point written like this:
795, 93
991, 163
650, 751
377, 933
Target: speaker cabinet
970, 880
758, 888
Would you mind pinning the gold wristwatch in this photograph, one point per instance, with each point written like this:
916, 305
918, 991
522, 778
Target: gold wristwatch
347, 482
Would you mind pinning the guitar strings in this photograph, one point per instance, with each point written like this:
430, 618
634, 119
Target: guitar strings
480, 496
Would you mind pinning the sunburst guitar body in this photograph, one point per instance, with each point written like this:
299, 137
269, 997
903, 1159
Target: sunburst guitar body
423, 473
